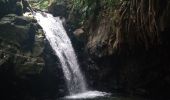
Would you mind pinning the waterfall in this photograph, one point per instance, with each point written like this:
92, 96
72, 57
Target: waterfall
63, 49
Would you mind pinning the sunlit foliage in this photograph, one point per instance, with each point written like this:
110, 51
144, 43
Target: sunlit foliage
40, 4
89, 8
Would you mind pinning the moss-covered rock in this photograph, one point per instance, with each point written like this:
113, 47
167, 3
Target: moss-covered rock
21, 32
21, 55
18, 30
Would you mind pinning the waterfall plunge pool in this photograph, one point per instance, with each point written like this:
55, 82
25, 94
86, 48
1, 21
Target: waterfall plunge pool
97, 95
88, 95
62, 47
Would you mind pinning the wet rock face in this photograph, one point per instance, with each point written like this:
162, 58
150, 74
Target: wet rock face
4, 5
28, 66
18, 30
10, 6
54, 82
21, 56
18, 34
134, 70
13, 7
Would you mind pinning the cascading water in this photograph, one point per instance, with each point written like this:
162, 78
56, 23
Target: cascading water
61, 44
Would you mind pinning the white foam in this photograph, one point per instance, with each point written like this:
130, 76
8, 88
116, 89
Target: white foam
88, 95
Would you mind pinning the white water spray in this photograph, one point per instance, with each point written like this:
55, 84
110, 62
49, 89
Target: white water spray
61, 44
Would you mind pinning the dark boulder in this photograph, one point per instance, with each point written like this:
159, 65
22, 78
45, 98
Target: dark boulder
58, 8
7, 7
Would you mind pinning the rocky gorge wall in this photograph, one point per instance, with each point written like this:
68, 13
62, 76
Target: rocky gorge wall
21, 52
120, 62
22, 66
28, 65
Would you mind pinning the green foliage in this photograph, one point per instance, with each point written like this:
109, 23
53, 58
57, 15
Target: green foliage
87, 8
111, 3
88, 4
40, 4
